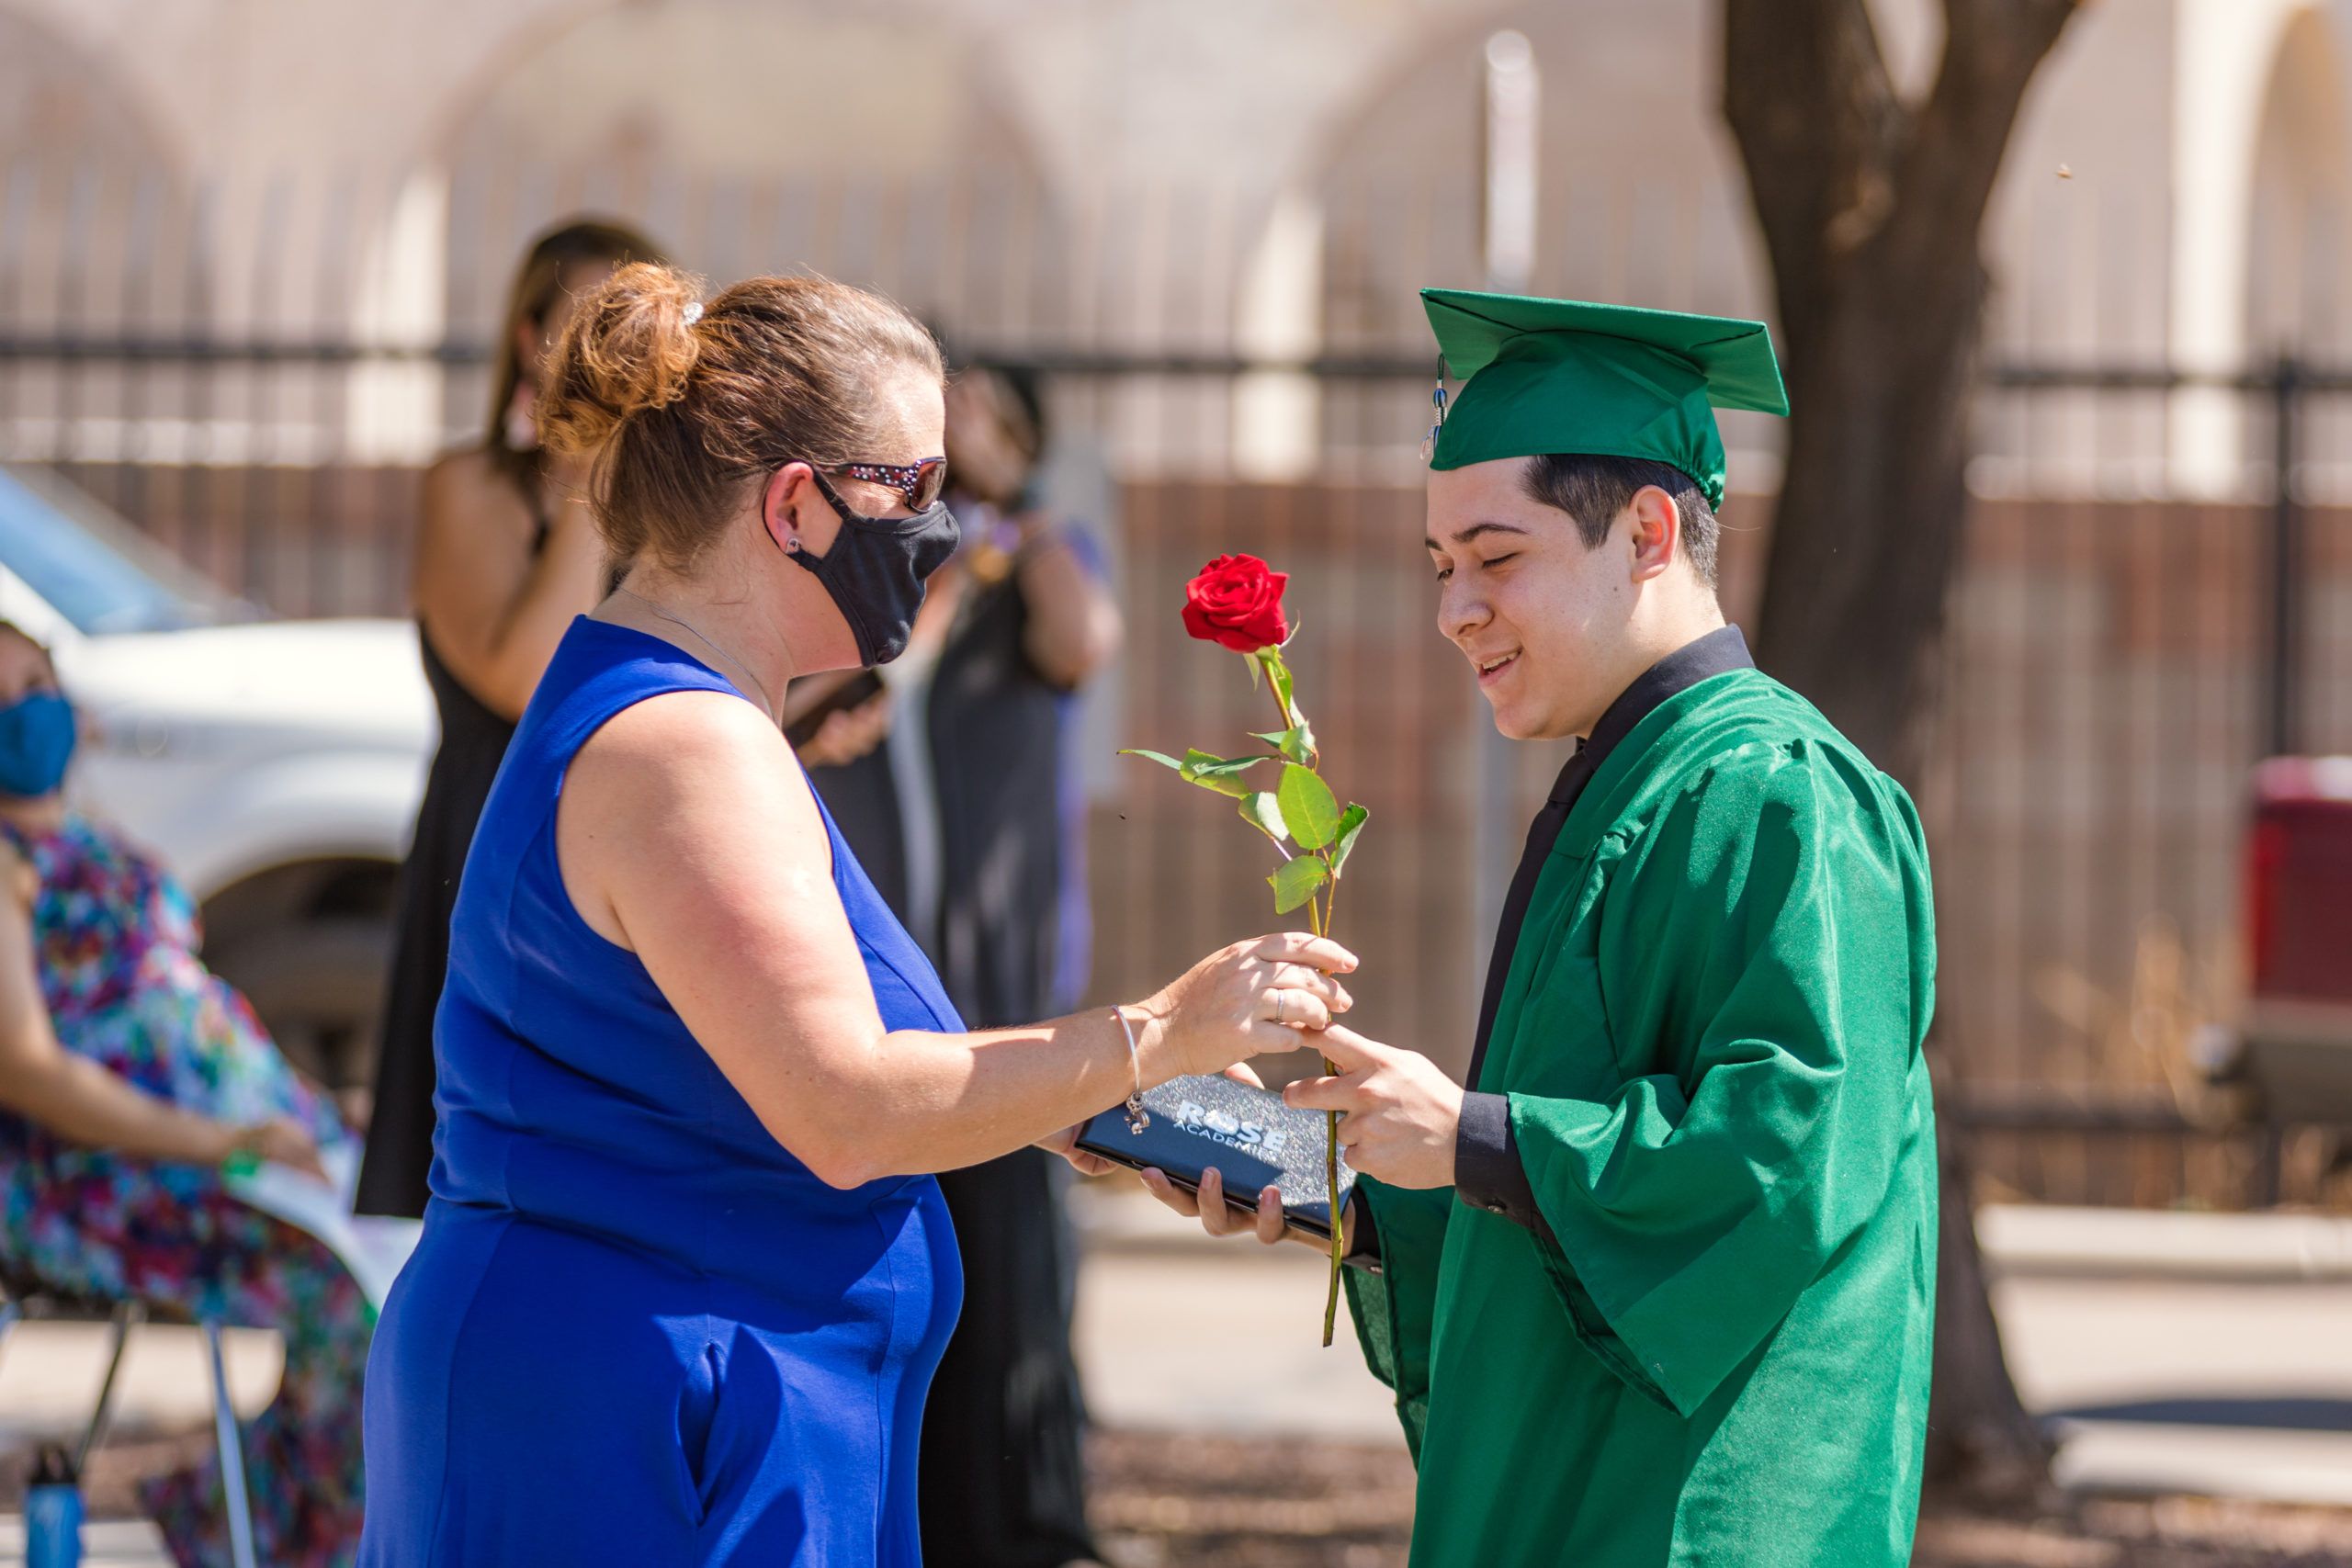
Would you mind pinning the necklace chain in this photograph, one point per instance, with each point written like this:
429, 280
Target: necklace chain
690, 629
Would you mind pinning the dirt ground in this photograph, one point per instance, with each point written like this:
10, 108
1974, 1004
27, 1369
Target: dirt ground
1200, 1502
1192, 1501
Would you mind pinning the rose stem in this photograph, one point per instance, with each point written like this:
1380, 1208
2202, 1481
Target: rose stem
1319, 920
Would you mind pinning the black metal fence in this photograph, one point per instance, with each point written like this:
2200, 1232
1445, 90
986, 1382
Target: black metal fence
2130, 632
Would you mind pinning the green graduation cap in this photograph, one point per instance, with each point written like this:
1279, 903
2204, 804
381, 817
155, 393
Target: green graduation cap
1544, 376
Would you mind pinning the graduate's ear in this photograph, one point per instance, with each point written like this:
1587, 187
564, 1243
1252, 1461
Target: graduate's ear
1656, 531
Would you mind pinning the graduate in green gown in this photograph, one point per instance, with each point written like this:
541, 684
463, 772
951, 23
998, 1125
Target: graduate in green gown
1659, 1288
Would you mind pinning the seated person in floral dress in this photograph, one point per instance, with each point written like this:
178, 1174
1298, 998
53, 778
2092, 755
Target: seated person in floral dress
128, 1076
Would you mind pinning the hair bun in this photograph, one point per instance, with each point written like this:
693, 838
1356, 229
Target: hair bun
629, 347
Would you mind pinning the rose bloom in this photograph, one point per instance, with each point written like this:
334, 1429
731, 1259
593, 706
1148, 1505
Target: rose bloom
1236, 603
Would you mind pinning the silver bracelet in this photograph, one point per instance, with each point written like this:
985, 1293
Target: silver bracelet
1138, 1118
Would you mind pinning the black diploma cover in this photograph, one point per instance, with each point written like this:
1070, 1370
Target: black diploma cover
1247, 1135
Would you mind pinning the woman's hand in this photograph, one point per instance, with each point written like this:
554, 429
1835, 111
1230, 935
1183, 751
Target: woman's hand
1250, 997
847, 735
1217, 1216
281, 1141
1065, 1143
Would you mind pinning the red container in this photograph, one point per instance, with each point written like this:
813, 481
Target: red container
2298, 880
2297, 1029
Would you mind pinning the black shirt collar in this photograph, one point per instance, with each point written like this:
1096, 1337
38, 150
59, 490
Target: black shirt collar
1713, 654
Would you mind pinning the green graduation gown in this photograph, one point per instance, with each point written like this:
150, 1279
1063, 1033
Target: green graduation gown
1716, 1350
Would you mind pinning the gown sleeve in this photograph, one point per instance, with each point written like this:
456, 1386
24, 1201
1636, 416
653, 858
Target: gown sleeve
1773, 927
1394, 1304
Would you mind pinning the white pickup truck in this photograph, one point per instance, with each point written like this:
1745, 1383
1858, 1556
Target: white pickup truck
274, 765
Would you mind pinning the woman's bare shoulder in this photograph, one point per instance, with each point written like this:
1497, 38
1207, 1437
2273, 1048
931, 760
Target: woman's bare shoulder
694, 739
468, 475
473, 520
466, 465
681, 805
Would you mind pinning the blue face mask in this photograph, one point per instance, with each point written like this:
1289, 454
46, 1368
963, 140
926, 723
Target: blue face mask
37, 735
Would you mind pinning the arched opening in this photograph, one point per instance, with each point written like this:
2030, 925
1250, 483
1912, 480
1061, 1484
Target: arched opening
2297, 250
1639, 197
2299, 241
865, 144
98, 238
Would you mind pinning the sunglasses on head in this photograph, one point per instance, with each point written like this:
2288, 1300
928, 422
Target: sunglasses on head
919, 483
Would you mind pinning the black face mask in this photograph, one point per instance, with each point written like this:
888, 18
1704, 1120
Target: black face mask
877, 569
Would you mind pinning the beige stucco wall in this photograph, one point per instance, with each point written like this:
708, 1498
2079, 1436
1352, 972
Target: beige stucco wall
1180, 169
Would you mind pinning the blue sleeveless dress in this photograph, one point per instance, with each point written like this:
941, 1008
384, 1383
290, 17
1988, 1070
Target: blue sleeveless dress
637, 1330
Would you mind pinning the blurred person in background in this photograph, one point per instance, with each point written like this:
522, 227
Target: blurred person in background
129, 1076
972, 818
505, 559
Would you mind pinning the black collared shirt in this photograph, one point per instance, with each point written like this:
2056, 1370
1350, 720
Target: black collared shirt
1486, 1169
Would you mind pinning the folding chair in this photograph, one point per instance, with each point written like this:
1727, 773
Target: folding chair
23, 1300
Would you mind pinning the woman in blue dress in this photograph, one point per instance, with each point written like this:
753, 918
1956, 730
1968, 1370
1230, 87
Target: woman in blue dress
685, 1272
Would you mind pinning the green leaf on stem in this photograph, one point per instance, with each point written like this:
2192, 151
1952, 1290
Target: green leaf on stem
1351, 822
1261, 811
1309, 809
1222, 774
1296, 743
1296, 883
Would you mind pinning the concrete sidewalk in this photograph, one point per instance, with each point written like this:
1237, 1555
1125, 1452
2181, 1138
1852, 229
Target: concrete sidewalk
106, 1543
2020, 1239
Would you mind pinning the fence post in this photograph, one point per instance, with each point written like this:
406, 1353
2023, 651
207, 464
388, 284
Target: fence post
2283, 735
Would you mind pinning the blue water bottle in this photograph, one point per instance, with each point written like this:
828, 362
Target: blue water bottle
52, 1513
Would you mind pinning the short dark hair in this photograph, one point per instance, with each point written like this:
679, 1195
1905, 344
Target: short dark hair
1592, 490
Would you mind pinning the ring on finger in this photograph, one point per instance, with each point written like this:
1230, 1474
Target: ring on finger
1281, 1006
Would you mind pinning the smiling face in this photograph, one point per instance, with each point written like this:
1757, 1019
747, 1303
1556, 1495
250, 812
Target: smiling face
1555, 628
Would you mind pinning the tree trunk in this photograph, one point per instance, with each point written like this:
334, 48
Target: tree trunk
1870, 210
1873, 502
1981, 1438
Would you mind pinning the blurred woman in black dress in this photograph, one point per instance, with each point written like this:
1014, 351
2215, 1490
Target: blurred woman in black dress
969, 819
505, 559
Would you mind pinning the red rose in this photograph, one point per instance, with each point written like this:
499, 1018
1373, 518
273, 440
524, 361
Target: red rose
1235, 602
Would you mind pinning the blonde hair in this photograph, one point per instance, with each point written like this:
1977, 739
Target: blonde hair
679, 406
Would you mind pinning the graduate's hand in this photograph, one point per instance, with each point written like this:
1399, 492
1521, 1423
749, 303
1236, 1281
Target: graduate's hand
1399, 1112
